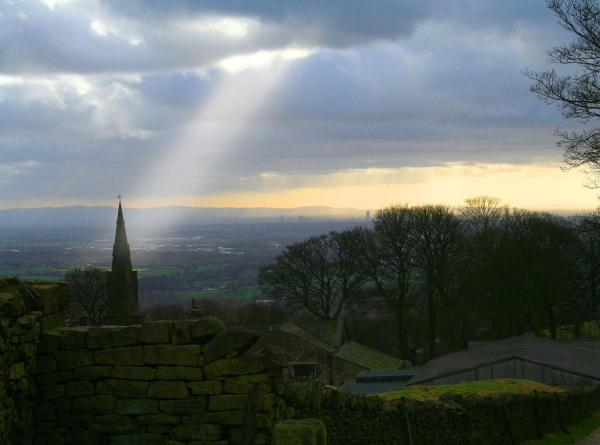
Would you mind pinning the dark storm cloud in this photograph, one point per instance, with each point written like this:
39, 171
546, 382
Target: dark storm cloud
391, 84
337, 23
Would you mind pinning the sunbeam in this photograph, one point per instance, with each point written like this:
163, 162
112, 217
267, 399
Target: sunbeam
209, 139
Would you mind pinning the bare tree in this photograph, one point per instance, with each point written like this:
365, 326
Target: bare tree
576, 95
437, 240
388, 263
166, 312
319, 275
88, 286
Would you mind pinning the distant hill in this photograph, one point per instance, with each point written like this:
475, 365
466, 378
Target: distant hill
83, 216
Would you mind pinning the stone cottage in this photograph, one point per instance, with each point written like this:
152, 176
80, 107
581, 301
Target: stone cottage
318, 350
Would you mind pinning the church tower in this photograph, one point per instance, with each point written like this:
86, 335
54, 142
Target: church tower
122, 283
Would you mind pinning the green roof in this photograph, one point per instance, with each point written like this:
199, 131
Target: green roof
326, 331
368, 358
296, 331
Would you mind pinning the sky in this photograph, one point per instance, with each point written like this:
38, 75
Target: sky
236, 103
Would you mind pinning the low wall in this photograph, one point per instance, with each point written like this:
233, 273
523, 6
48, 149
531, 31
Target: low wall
159, 383
468, 419
25, 310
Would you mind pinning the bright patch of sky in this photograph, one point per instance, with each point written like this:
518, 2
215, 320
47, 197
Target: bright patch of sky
342, 103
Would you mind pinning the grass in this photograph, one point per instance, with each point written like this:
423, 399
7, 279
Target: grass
242, 293
578, 432
167, 271
482, 388
211, 267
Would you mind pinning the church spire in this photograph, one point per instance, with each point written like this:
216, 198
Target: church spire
121, 262
122, 284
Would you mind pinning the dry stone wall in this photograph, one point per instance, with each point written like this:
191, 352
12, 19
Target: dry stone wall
468, 419
25, 309
172, 383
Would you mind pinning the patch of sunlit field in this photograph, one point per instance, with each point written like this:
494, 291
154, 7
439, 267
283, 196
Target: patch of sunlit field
482, 388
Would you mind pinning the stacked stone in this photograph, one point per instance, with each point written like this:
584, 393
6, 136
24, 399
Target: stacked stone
172, 383
24, 309
453, 419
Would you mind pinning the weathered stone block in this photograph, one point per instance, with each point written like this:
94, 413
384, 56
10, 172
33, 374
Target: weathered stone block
53, 321
122, 388
157, 419
111, 419
130, 356
11, 305
45, 364
62, 405
136, 439
235, 418
99, 338
134, 373
299, 432
208, 387
74, 358
92, 372
183, 407
54, 378
242, 384
178, 373
186, 355
74, 338
48, 298
181, 332
52, 392
16, 370
125, 336
167, 390
238, 402
195, 432
49, 341
246, 364
155, 332
136, 406
80, 389
103, 404
206, 328
232, 340
113, 429
49, 439
150, 355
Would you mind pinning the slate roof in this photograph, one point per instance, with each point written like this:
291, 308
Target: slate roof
326, 335
326, 331
259, 329
291, 328
542, 351
368, 358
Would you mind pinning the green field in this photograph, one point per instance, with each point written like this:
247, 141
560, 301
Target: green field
167, 271
482, 388
211, 267
242, 293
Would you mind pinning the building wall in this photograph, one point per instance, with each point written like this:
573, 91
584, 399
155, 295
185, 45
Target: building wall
518, 369
290, 350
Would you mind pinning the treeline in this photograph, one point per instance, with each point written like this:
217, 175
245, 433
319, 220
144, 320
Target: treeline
442, 276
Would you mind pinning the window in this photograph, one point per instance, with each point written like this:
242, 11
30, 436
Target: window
304, 371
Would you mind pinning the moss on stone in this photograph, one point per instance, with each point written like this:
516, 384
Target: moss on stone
129, 356
299, 432
133, 373
178, 373
122, 388
101, 404
136, 406
206, 328
155, 332
92, 372
208, 387
232, 340
167, 390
